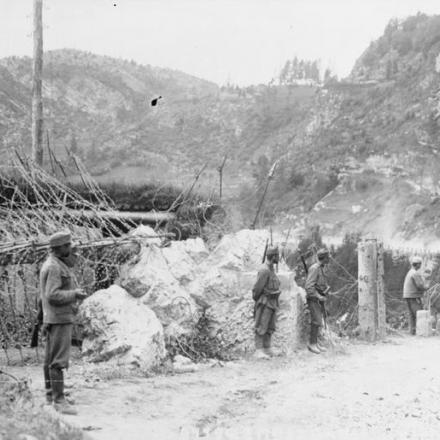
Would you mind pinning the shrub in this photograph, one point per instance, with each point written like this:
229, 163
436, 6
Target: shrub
365, 181
295, 179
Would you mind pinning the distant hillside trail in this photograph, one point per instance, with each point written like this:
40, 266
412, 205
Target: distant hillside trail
387, 390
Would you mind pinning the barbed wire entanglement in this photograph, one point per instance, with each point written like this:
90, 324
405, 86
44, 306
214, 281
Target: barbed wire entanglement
342, 272
33, 205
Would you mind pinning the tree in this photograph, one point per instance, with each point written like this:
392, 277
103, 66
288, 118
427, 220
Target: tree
297, 69
329, 77
283, 78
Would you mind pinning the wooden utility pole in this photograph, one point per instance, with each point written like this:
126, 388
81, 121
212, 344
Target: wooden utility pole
220, 172
37, 73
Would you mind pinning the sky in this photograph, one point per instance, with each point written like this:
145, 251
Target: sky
242, 42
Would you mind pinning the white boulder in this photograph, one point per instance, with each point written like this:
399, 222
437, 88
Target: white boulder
196, 249
152, 277
117, 325
232, 319
179, 262
240, 251
182, 364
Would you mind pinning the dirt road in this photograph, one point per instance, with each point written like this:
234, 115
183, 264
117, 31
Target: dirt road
387, 390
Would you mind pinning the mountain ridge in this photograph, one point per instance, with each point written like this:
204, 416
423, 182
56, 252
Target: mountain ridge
327, 136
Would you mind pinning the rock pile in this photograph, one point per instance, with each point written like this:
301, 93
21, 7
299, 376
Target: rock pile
176, 283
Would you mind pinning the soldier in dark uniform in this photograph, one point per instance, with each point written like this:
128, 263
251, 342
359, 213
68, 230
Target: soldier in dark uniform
59, 293
265, 293
316, 289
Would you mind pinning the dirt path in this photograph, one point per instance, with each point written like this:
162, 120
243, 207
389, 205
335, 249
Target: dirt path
384, 391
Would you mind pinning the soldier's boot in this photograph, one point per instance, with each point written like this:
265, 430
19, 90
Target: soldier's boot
259, 348
47, 385
60, 402
321, 347
314, 339
412, 324
321, 344
314, 348
267, 345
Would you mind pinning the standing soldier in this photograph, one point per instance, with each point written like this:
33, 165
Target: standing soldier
265, 293
413, 289
316, 289
59, 293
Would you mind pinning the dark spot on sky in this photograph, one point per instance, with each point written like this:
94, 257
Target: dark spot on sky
155, 101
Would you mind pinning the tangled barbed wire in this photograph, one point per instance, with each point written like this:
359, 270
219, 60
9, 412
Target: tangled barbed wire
197, 343
33, 205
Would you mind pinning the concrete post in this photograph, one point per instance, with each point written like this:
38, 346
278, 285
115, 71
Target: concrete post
381, 308
371, 297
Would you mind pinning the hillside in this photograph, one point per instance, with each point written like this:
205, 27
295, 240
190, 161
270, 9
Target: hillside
387, 135
358, 154
102, 106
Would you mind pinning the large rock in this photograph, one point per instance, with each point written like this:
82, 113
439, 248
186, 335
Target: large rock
158, 277
240, 251
179, 262
228, 295
117, 325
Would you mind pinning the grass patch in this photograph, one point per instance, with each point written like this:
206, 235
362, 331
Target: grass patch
20, 415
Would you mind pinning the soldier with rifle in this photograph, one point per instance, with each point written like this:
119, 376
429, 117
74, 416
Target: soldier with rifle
59, 294
265, 293
317, 290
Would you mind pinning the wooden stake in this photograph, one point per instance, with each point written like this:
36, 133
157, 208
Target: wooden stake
49, 153
220, 171
37, 84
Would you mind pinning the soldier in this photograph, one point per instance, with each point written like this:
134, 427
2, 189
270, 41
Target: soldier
59, 293
316, 289
265, 293
413, 290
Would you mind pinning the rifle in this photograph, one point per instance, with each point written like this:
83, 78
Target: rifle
37, 325
306, 269
265, 251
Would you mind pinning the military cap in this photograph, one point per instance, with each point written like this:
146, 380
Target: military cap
272, 250
323, 252
416, 260
60, 238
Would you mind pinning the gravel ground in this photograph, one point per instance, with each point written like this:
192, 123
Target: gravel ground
387, 390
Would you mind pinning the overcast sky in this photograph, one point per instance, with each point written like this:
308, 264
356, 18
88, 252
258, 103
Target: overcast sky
240, 41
